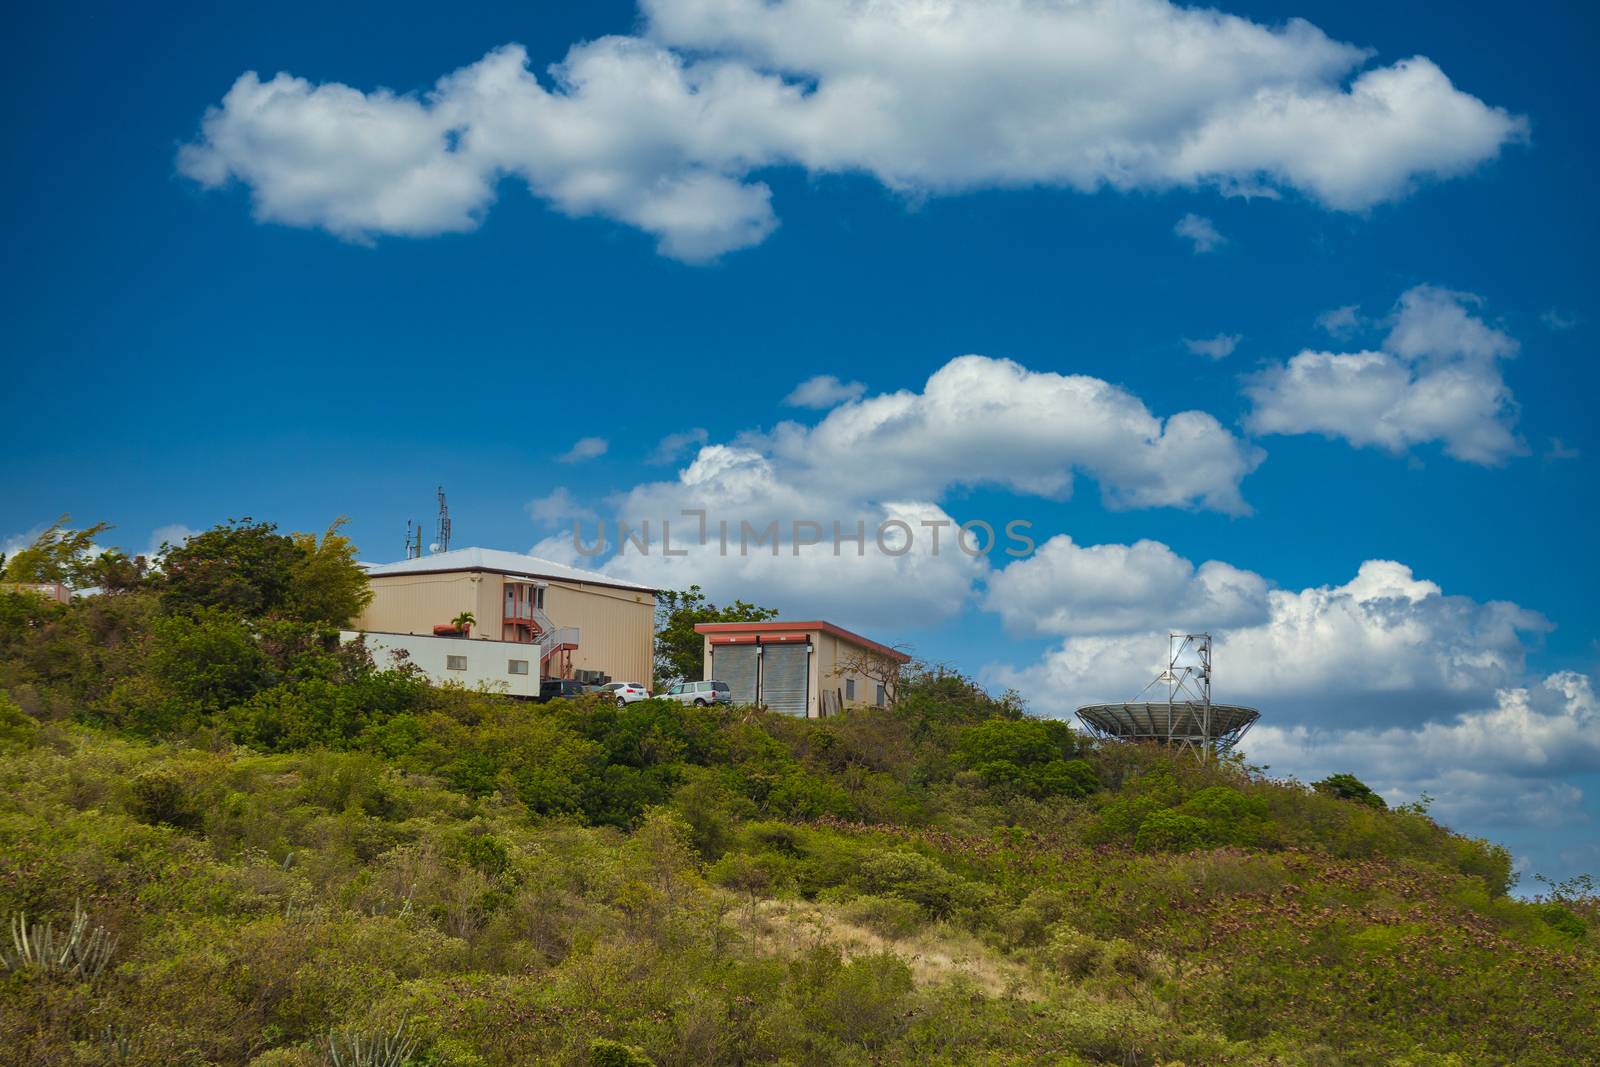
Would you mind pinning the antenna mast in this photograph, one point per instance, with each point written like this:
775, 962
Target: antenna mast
1190, 683
442, 534
1186, 719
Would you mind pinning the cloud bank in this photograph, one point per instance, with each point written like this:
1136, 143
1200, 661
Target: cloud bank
976, 422
1498, 765
667, 131
1385, 647
1436, 378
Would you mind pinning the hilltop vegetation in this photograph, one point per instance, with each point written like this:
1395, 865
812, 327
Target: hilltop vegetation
289, 847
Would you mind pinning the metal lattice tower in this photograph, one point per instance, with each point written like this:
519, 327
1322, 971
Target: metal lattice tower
441, 542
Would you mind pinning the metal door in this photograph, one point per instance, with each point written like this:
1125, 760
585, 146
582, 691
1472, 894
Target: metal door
736, 665
785, 678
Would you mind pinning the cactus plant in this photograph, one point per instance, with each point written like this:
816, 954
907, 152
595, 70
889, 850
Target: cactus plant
355, 1049
78, 952
116, 1043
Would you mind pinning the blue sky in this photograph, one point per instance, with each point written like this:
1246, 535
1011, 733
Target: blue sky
177, 353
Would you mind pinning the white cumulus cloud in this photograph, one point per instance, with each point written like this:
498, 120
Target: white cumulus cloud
1436, 378
174, 534
1201, 232
982, 421
909, 586
823, 391
673, 446
664, 130
1341, 321
584, 448
558, 505
1385, 647
1502, 764
895, 456
1066, 588
1218, 347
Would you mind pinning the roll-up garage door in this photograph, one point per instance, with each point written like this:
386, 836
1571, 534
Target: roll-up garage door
785, 675
736, 665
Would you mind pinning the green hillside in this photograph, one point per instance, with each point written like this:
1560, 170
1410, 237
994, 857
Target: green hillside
292, 851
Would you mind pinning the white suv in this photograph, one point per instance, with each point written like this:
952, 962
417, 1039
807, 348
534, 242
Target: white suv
701, 694
624, 693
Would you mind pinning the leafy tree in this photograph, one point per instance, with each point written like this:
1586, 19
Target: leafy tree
680, 652
240, 566
326, 585
58, 554
1349, 787
113, 571
249, 568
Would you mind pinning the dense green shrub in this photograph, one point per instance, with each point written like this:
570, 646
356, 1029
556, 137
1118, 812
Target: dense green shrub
604, 1052
914, 877
1027, 756
1169, 830
1233, 816
17, 728
1560, 918
890, 916
860, 1002
1349, 787
208, 660
159, 796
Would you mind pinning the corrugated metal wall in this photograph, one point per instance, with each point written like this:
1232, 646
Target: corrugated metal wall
786, 679
416, 603
737, 665
618, 625
824, 669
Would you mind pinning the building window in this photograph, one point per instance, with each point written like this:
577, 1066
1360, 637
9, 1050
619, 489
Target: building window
517, 666
455, 663
849, 688
880, 696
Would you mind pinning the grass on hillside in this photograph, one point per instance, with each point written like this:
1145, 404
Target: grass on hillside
941, 883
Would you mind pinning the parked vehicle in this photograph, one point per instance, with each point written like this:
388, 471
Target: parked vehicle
551, 688
624, 693
700, 694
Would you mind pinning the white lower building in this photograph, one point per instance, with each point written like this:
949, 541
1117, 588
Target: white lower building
509, 667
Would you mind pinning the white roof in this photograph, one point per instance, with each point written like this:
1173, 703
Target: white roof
500, 562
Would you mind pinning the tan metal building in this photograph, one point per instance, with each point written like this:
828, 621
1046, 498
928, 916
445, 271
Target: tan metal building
579, 620
812, 669
49, 590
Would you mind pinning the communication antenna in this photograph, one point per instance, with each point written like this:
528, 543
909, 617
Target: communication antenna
1188, 678
1186, 719
441, 541
413, 539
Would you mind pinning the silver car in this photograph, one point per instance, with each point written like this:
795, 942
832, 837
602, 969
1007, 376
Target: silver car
701, 694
